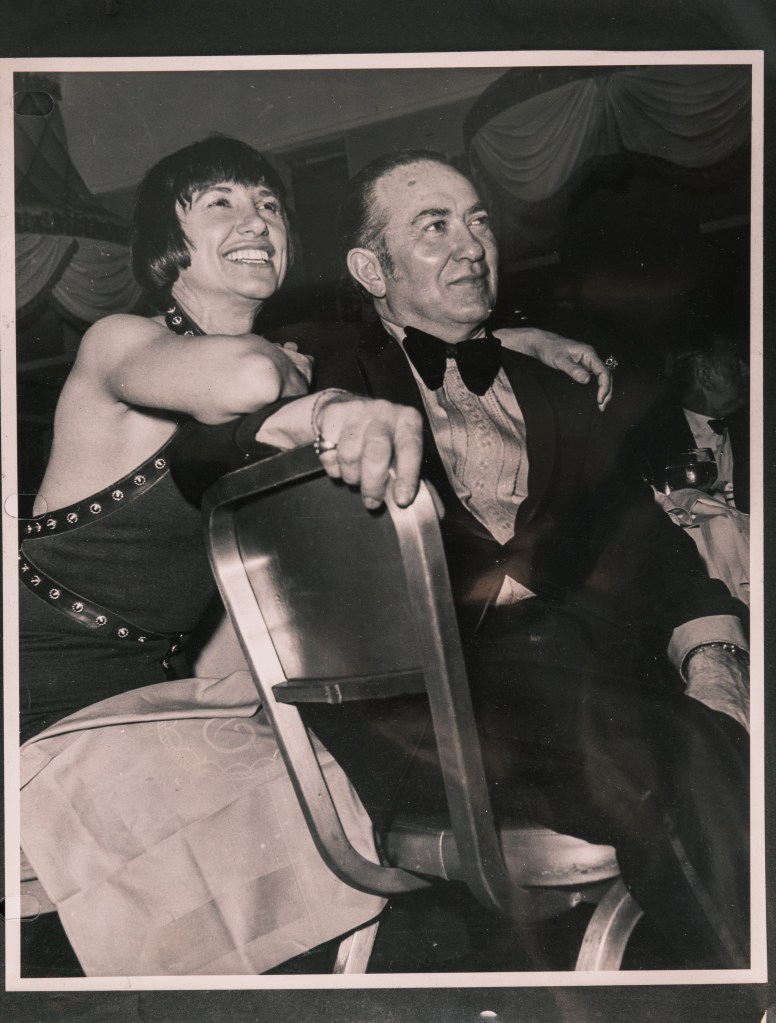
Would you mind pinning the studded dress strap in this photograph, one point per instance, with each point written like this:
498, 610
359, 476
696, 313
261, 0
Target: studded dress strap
99, 505
82, 610
179, 321
73, 605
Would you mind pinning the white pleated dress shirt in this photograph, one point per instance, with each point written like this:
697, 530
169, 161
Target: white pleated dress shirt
482, 443
706, 437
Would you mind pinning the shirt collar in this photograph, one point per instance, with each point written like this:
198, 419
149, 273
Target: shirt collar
699, 423
397, 333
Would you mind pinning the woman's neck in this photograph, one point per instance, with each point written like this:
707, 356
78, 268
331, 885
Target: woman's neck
216, 314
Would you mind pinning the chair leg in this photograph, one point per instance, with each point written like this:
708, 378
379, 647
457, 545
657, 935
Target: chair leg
355, 950
609, 930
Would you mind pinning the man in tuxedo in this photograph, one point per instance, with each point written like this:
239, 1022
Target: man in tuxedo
705, 407
585, 614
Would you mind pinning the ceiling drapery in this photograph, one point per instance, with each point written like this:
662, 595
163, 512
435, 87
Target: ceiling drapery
69, 249
87, 278
692, 117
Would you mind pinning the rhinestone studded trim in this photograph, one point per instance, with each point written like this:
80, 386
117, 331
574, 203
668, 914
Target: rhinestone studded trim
73, 605
96, 507
88, 614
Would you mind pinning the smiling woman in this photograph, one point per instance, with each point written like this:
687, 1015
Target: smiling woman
113, 570
211, 245
247, 228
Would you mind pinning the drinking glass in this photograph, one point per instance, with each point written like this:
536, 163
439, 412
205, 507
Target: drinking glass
693, 468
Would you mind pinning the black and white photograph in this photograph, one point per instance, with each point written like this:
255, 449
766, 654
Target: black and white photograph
382, 468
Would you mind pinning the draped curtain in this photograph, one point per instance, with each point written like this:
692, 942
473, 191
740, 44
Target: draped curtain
692, 117
86, 278
69, 248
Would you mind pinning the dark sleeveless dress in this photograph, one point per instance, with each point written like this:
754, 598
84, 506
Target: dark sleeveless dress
110, 587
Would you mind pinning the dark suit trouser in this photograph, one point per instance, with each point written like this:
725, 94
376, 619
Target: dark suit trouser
574, 738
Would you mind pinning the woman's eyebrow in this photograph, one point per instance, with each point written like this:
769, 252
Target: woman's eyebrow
199, 193
265, 190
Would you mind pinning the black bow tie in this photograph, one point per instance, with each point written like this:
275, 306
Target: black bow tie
479, 359
718, 425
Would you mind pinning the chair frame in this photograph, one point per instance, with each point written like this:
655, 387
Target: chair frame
446, 683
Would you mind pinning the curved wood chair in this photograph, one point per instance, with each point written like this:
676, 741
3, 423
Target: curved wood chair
333, 603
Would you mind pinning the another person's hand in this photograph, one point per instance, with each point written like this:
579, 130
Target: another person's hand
304, 364
574, 358
296, 370
717, 678
376, 442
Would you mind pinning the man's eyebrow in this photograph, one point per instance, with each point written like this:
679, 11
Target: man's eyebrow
431, 212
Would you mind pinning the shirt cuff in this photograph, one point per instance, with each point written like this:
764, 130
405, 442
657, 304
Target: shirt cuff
712, 629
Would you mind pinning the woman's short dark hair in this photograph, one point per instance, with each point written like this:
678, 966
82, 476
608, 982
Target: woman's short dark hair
159, 246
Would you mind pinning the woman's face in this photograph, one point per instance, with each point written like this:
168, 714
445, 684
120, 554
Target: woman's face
238, 241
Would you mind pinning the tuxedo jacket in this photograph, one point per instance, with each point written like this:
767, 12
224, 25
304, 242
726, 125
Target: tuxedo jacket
583, 536
664, 430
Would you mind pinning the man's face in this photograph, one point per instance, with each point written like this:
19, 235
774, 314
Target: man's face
444, 255
238, 242
726, 385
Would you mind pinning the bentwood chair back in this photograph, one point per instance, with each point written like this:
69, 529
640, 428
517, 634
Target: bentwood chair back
333, 603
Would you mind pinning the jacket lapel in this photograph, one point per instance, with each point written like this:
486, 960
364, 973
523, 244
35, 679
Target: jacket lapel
540, 429
384, 369
677, 435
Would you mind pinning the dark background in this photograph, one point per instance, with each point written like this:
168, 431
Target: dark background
82, 28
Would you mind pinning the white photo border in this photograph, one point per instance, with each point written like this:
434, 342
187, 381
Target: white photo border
490, 59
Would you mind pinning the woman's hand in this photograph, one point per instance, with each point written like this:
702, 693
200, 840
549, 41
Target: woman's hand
575, 359
376, 442
367, 443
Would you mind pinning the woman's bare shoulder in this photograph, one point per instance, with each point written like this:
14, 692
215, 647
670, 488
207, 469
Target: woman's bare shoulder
112, 337
124, 326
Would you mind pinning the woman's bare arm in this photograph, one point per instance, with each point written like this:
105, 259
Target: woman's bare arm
215, 378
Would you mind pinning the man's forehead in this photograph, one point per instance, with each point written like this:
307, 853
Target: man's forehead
416, 183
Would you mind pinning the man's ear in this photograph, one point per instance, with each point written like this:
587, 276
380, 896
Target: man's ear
365, 269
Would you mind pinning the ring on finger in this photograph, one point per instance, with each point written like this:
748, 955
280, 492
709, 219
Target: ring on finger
321, 445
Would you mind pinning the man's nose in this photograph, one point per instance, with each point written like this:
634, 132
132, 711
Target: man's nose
468, 245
